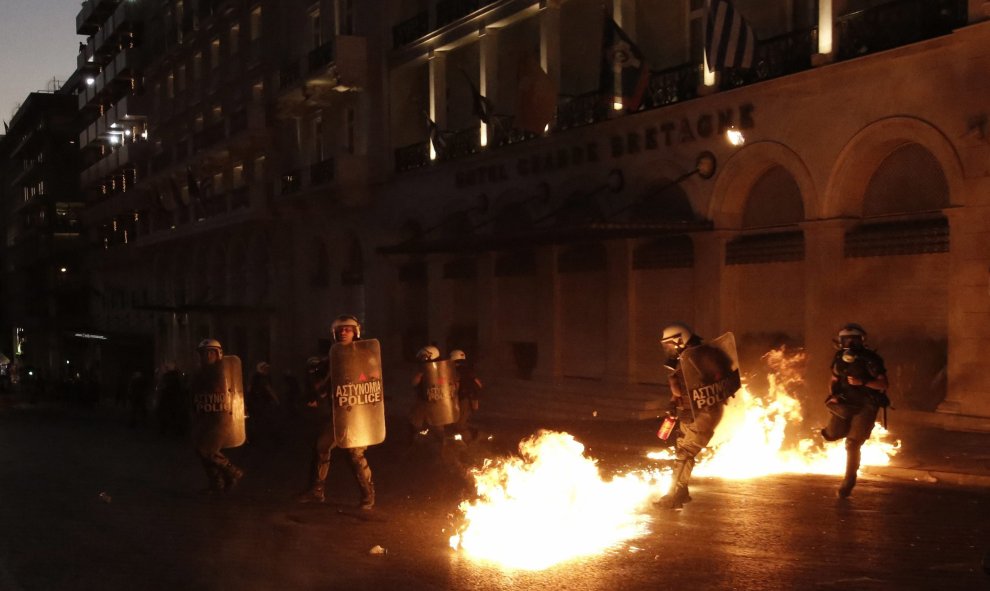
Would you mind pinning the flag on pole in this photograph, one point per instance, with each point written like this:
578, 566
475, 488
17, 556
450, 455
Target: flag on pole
729, 41
481, 105
624, 74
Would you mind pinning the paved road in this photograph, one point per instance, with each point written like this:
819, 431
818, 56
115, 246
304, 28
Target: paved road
157, 533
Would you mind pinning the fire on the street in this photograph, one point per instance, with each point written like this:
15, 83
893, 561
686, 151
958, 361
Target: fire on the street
551, 504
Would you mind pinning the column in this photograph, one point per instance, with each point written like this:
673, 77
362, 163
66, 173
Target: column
824, 255
826, 47
709, 269
550, 41
438, 93
488, 76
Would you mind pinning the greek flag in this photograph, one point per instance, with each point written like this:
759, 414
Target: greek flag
730, 42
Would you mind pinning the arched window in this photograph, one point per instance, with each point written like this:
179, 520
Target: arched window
908, 180
775, 200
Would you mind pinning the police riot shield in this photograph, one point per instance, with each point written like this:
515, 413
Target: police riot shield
711, 372
440, 386
356, 393
218, 404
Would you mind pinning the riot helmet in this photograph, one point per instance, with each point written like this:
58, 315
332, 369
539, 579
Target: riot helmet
852, 336
210, 351
457, 355
428, 353
342, 321
675, 339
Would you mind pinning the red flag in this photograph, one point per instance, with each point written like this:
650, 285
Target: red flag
536, 96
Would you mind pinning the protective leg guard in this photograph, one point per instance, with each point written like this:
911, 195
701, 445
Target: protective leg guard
678, 493
214, 477
317, 492
231, 476
362, 471
852, 468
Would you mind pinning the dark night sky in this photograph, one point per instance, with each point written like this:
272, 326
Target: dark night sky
38, 41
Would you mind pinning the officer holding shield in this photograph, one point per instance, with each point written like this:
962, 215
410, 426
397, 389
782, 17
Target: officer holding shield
350, 404
701, 379
218, 414
858, 389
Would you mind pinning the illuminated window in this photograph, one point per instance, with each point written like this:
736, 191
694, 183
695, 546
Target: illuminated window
170, 85
258, 92
180, 81
198, 65
235, 33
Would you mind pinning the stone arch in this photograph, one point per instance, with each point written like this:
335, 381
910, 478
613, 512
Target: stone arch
865, 152
908, 180
774, 200
744, 169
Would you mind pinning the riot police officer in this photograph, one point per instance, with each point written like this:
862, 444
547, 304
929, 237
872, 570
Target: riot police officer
346, 330
468, 393
698, 418
218, 414
420, 410
857, 390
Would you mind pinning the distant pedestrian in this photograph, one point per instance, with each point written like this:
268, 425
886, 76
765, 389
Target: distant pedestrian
263, 405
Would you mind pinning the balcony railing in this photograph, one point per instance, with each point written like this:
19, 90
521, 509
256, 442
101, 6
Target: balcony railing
581, 110
412, 157
896, 23
673, 85
411, 29
463, 142
774, 57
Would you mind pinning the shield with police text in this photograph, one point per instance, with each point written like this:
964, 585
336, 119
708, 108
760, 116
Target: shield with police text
440, 387
218, 404
356, 393
711, 372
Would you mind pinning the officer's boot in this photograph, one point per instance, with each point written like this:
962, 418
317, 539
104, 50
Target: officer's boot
214, 477
231, 475
678, 493
852, 467
317, 492
363, 473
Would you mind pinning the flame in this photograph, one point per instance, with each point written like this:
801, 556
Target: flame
752, 439
551, 504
